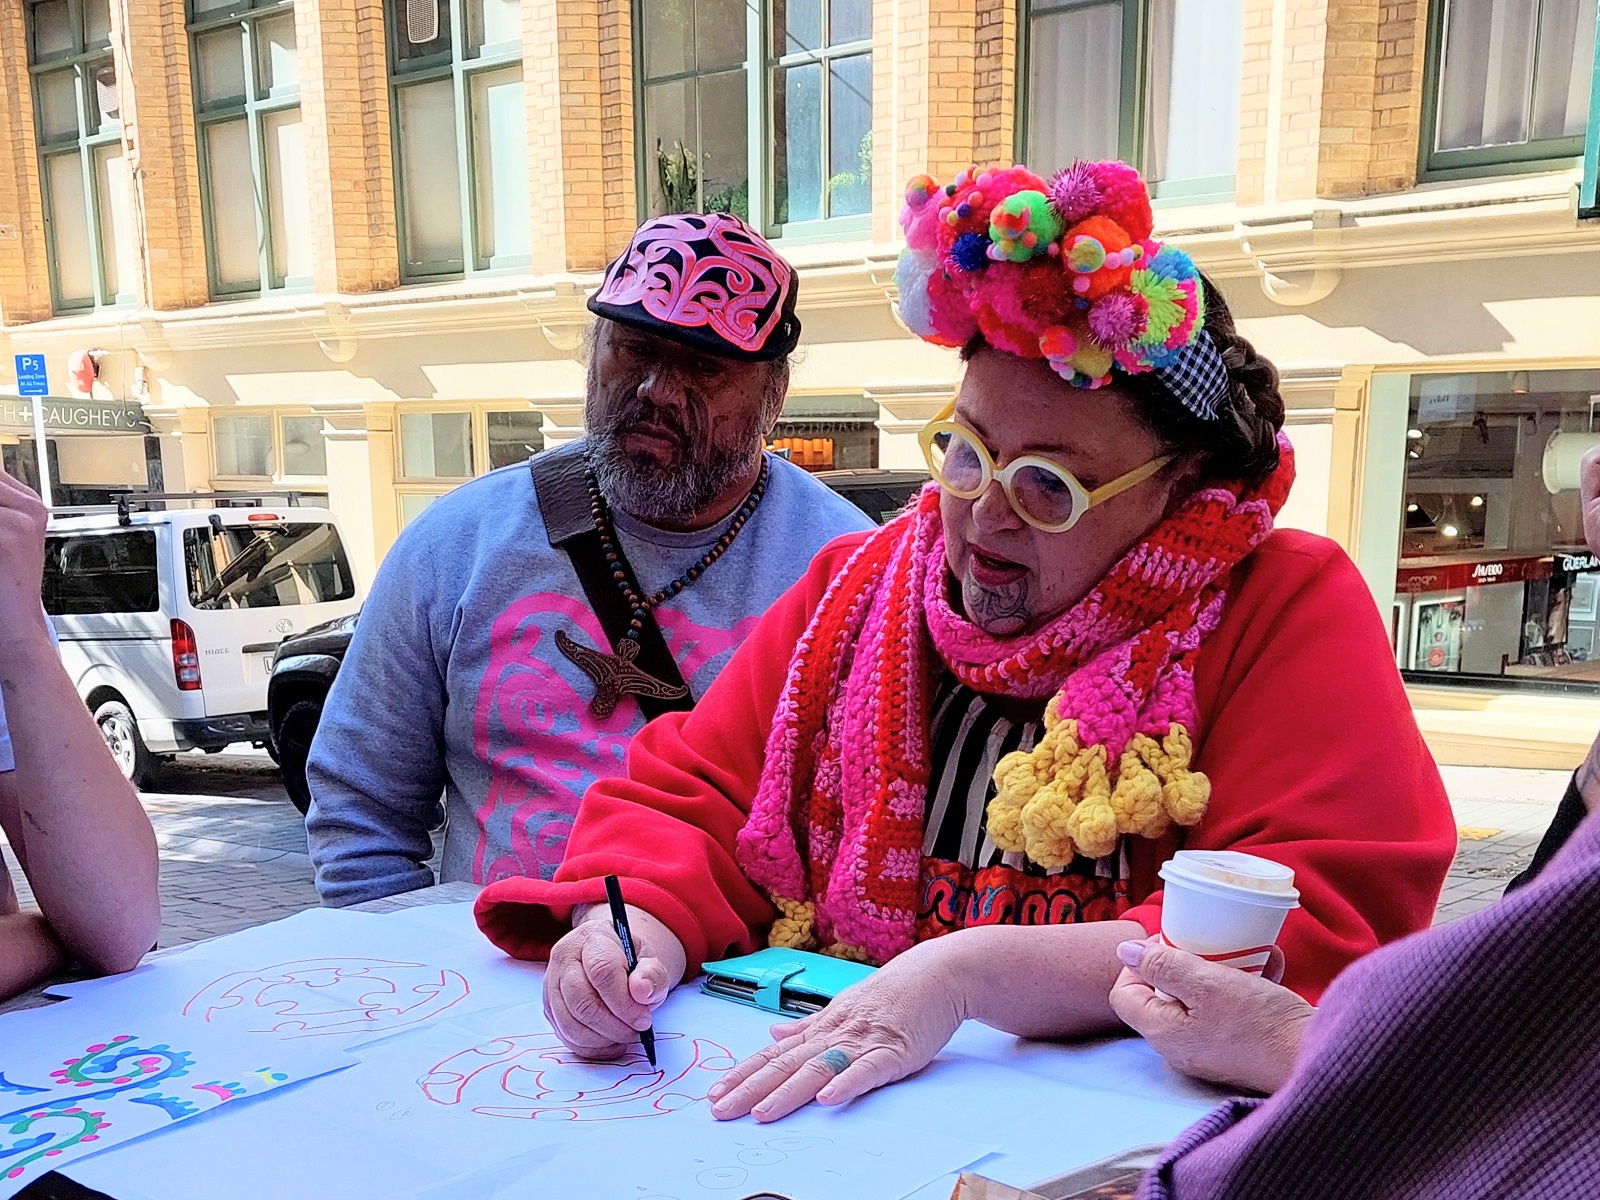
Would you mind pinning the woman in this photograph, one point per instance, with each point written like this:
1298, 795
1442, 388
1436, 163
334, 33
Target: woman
996, 714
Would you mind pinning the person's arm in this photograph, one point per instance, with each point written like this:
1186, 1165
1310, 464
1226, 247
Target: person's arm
1316, 762
75, 823
29, 952
376, 768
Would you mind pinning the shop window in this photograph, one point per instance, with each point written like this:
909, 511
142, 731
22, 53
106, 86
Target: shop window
305, 451
1088, 91
253, 180
86, 183
828, 433
244, 447
460, 136
1495, 582
1508, 84
514, 436
792, 154
413, 503
436, 445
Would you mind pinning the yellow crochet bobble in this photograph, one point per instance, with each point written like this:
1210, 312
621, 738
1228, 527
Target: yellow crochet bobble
1020, 774
796, 926
1059, 799
1064, 810
848, 953
1186, 792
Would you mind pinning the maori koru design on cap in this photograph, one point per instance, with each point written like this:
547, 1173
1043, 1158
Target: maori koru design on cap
708, 281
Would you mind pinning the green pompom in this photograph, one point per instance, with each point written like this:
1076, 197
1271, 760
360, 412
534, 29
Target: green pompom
1024, 225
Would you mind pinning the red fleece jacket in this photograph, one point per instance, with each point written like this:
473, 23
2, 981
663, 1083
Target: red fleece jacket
1314, 758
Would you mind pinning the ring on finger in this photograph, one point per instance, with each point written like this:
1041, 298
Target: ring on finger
835, 1059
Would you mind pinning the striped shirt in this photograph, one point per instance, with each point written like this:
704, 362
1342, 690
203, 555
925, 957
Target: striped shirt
967, 879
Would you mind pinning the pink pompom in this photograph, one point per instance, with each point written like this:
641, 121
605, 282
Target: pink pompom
1073, 193
1123, 197
1117, 320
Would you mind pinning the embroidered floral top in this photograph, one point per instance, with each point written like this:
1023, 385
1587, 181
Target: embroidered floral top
966, 878
1305, 733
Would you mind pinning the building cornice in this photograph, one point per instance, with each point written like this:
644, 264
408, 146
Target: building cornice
1296, 252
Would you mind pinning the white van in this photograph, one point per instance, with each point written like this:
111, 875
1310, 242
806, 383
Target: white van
168, 620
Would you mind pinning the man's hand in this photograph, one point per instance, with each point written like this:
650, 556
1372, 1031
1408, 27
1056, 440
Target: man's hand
1222, 1024
22, 523
594, 1004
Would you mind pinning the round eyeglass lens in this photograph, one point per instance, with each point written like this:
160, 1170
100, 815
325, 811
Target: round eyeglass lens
1043, 495
958, 461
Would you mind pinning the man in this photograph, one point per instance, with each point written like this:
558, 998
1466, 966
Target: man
73, 822
524, 627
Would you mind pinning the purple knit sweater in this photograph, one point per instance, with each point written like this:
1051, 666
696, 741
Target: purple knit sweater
1459, 1063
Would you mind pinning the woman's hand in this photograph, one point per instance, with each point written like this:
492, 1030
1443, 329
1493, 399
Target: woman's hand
1222, 1024
596, 1007
884, 1028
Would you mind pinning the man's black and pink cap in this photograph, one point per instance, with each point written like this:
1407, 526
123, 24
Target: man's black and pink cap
708, 281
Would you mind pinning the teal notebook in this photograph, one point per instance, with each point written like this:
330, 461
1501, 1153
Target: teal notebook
794, 983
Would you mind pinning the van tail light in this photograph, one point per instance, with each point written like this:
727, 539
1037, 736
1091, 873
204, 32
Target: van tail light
185, 657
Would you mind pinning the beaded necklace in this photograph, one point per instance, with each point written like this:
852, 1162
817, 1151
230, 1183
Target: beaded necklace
618, 674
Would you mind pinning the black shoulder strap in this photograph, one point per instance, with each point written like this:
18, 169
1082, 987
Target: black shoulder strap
560, 481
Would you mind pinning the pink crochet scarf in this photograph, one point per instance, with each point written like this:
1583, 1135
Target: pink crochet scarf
835, 832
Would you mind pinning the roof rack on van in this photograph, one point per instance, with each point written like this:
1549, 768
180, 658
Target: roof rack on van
126, 502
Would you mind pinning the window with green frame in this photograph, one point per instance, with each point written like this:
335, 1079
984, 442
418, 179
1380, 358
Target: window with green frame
787, 145
87, 187
1589, 193
252, 150
460, 136
1152, 82
1508, 84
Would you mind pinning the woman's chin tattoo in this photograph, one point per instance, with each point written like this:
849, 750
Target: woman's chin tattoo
999, 611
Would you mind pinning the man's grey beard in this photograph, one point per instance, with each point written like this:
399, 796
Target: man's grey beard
640, 486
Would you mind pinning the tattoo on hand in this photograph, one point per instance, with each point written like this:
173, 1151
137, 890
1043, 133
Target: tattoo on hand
1002, 610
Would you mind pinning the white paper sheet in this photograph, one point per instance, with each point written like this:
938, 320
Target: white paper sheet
814, 1154
79, 1078
345, 978
465, 1098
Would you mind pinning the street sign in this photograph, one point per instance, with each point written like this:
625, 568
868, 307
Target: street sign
31, 380
62, 415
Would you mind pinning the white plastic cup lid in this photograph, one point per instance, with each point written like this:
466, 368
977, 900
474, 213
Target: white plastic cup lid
1233, 874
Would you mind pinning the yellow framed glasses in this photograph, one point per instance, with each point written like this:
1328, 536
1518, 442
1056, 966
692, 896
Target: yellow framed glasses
1043, 493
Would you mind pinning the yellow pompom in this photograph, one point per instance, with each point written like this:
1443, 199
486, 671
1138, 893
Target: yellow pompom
1094, 826
1187, 797
1137, 798
796, 926
1186, 792
1044, 826
1015, 782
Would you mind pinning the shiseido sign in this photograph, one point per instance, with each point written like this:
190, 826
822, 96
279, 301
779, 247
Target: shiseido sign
1450, 577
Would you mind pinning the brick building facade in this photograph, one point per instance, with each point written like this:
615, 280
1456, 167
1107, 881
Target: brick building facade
436, 184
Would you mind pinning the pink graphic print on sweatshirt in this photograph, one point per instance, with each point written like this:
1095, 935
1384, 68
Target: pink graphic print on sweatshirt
533, 728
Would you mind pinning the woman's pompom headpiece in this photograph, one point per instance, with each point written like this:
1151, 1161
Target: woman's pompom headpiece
1065, 270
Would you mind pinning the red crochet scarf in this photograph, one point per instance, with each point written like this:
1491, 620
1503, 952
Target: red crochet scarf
835, 832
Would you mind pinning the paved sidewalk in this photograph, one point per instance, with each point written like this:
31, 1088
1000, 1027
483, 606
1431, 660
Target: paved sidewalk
1500, 817
233, 849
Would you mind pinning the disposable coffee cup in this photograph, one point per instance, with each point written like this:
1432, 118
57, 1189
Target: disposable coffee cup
1226, 906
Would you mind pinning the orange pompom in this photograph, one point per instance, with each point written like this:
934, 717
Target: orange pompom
1103, 277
